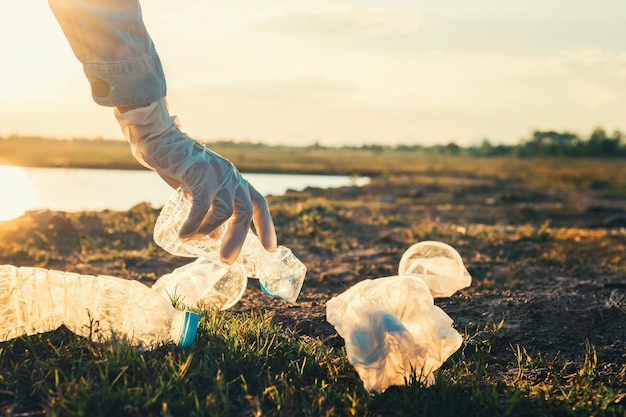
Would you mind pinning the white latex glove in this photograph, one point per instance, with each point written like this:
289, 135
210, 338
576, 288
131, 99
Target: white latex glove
218, 190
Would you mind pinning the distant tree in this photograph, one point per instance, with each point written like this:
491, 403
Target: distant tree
549, 143
315, 145
451, 149
600, 144
618, 136
374, 148
486, 148
409, 148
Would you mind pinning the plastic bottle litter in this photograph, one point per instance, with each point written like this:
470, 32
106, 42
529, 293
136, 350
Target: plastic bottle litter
439, 265
391, 327
280, 273
102, 308
203, 281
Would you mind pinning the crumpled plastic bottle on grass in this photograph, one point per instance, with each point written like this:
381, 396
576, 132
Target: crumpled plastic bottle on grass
390, 325
206, 282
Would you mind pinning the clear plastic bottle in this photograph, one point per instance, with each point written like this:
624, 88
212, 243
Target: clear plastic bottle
280, 273
391, 328
209, 283
101, 308
438, 264
391, 325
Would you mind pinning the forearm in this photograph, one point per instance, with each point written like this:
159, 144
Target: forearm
111, 41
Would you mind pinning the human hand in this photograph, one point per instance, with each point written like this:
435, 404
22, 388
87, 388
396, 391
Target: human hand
218, 191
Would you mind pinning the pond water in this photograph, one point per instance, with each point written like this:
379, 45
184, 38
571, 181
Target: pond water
74, 189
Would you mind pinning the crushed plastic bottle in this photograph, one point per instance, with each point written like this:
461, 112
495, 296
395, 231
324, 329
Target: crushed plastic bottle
391, 327
102, 308
280, 273
439, 265
210, 283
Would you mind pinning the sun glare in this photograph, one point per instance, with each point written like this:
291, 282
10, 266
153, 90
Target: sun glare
17, 193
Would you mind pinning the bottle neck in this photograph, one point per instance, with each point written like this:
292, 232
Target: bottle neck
184, 328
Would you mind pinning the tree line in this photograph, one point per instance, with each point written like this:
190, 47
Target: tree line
599, 144
565, 144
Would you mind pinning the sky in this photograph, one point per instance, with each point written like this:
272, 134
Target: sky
343, 72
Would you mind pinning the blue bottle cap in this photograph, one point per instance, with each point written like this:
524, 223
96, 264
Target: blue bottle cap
190, 328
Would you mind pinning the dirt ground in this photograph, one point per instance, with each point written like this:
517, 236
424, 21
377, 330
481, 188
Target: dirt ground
551, 264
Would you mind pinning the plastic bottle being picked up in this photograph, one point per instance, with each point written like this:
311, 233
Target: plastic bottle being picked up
280, 273
102, 308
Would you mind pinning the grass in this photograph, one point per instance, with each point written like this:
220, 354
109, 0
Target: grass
246, 365
238, 364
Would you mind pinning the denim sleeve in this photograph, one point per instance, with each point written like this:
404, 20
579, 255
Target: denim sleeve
119, 58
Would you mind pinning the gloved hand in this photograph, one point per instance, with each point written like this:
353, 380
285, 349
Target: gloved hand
218, 190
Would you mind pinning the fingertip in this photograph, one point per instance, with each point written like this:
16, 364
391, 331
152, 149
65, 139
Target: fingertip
229, 253
227, 261
184, 237
186, 232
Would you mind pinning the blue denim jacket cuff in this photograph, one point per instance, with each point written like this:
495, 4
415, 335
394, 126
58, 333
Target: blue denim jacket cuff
127, 83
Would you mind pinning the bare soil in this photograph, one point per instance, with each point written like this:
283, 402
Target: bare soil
550, 263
